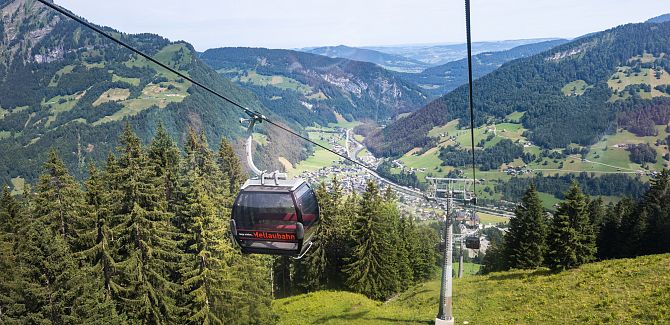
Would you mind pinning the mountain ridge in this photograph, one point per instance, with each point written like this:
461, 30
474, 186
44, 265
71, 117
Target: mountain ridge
311, 88
64, 87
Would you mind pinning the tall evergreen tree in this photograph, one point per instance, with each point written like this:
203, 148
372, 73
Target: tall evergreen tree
208, 279
231, 166
145, 237
571, 236
10, 308
656, 209
369, 270
98, 237
609, 235
59, 200
525, 242
164, 159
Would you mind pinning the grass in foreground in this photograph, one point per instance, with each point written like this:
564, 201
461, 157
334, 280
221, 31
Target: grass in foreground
619, 291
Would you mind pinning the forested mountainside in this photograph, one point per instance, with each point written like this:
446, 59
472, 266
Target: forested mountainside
64, 87
659, 19
385, 60
569, 94
439, 80
309, 88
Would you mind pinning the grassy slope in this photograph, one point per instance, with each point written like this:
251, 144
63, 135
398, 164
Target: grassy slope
619, 291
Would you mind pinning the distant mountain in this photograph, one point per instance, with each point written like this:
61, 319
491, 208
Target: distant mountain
63, 86
388, 61
309, 88
441, 54
442, 79
659, 19
571, 94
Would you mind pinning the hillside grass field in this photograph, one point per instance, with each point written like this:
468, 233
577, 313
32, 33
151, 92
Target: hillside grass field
625, 291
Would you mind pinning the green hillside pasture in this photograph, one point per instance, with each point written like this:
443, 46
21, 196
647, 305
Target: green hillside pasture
575, 88
448, 129
429, 160
514, 117
112, 95
281, 82
64, 70
153, 94
490, 219
166, 55
60, 104
626, 291
320, 158
618, 82
170, 56
130, 81
18, 185
609, 154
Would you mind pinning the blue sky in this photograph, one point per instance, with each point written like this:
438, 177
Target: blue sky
301, 23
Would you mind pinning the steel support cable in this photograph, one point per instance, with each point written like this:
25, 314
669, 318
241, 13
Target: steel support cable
251, 113
471, 101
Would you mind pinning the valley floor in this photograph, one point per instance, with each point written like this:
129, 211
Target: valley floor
625, 291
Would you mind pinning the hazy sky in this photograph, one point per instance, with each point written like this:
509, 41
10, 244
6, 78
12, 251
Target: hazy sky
300, 23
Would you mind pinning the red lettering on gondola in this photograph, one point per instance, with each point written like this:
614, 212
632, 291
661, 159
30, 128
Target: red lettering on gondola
265, 235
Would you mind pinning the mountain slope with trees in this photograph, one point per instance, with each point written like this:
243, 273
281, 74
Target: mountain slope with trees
442, 79
65, 87
553, 115
309, 88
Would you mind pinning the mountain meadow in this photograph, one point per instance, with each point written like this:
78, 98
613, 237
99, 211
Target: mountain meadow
119, 178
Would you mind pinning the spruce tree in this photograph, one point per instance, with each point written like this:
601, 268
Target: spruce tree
145, 238
164, 159
571, 236
370, 267
207, 276
312, 270
59, 200
609, 237
525, 242
10, 308
99, 250
231, 166
656, 207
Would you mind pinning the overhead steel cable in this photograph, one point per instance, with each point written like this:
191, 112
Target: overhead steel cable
253, 114
471, 101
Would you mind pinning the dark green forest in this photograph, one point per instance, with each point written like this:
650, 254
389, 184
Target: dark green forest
145, 239
533, 85
583, 230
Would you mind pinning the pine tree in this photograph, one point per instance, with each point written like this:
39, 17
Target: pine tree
231, 166
312, 270
145, 238
99, 250
54, 288
59, 200
609, 235
525, 242
207, 275
369, 270
656, 207
424, 255
10, 309
571, 237
164, 158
